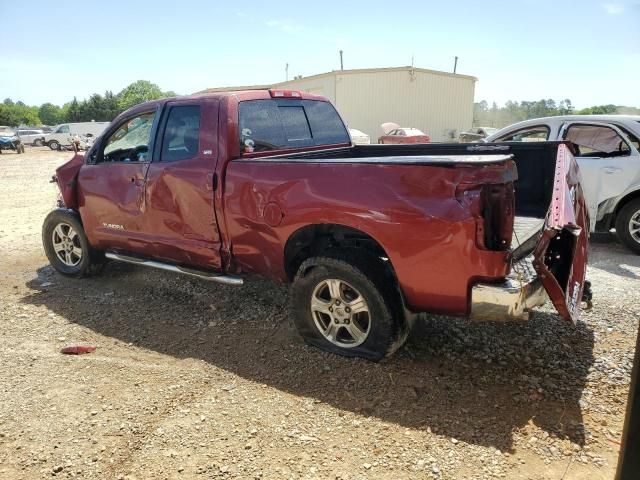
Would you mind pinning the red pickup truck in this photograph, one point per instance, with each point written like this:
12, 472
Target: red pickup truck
219, 185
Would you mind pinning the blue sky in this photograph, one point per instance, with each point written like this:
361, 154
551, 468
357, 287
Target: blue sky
588, 51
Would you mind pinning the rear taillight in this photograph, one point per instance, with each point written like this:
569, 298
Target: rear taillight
492, 205
498, 206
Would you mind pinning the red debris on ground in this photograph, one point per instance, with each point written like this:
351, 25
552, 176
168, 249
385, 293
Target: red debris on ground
78, 349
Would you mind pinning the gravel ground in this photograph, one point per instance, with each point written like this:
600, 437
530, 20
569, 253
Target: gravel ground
193, 380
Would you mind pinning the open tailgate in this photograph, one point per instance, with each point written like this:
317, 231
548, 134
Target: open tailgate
560, 257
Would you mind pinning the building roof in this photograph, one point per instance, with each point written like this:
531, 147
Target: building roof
334, 73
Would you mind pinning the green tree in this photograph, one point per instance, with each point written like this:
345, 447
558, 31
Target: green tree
73, 111
599, 110
110, 105
138, 92
50, 114
16, 114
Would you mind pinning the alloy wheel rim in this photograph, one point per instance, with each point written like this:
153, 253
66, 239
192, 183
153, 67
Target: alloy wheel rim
340, 313
634, 226
66, 244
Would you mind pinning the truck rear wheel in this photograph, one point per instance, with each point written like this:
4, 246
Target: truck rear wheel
342, 304
628, 225
67, 246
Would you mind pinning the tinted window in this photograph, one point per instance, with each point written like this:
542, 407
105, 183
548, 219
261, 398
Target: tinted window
130, 142
294, 121
62, 129
326, 124
539, 133
276, 124
181, 134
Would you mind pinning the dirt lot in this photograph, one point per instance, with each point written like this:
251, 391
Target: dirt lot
193, 380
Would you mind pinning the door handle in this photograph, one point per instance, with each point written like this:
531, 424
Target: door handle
611, 169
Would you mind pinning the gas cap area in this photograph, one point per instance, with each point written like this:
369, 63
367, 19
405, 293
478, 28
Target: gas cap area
272, 214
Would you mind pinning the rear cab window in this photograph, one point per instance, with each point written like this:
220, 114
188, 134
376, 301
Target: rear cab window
280, 124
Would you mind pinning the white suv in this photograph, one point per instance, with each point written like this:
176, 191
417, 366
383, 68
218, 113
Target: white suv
607, 148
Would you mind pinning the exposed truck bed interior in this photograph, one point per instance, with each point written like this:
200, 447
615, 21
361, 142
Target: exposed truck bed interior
535, 161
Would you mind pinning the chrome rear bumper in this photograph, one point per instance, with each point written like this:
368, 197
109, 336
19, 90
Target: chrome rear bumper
511, 299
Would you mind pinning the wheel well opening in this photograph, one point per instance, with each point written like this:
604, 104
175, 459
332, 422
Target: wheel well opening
629, 198
312, 240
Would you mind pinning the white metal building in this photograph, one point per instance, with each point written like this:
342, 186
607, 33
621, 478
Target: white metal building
439, 103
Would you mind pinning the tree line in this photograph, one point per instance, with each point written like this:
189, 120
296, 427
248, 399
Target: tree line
104, 108
101, 108
512, 112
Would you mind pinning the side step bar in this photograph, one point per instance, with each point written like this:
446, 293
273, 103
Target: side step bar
212, 277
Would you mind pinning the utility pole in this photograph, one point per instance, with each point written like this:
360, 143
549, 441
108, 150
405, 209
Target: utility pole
286, 72
455, 65
341, 64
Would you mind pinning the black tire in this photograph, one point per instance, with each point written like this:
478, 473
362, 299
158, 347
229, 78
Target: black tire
623, 225
90, 262
38, 142
387, 326
54, 145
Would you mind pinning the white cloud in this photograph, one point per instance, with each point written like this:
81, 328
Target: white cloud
284, 25
613, 8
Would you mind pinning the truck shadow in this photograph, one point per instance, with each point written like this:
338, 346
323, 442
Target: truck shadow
478, 383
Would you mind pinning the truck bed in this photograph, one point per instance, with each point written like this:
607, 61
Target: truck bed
524, 228
533, 188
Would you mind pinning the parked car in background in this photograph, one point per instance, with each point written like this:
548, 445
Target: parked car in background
358, 137
607, 148
31, 136
65, 133
393, 133
476, 134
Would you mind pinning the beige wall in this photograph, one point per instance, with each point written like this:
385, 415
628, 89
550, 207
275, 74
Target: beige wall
433, 102
438, 103
322, 85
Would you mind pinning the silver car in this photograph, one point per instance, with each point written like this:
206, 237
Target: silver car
31, 136
607, 149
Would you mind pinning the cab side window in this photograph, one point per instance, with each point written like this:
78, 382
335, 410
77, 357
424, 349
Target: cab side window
181, 134
130, 141
62, 129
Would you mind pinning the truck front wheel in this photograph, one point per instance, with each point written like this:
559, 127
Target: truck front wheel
67, 246
344, 305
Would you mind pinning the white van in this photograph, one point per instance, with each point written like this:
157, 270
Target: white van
64, 133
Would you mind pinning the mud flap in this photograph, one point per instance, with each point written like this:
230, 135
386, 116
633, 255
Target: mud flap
560, 257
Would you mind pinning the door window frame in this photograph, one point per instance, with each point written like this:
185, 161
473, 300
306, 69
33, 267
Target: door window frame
632, 149
162, 126
98, 156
